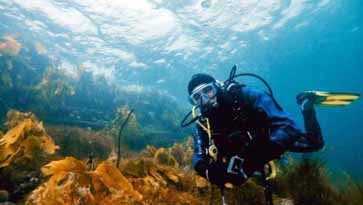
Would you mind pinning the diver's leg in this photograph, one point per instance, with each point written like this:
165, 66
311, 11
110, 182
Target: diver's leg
307, 144
312, 140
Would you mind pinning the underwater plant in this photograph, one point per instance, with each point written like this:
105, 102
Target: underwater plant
119, 137
71, 183
163, 184
350, 191
308, 183
148, 152
163, 176
53, 88
138, 180
163, 156
249, 193
26, 140
24, 148
97, 143
183, 152
132, 136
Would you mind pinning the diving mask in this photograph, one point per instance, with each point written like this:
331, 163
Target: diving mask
204, 94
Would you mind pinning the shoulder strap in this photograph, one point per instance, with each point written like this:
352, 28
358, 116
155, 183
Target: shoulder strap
239, 106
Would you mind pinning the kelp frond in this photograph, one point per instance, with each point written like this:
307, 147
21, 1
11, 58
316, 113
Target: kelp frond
25, 139
71, 183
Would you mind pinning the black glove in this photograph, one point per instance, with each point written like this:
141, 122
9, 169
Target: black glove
216, 174
235, 179
259, 155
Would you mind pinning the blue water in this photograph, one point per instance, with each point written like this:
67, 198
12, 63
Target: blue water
157, 45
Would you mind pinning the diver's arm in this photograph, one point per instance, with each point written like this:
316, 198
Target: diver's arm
200, 161
284, 130
213, 172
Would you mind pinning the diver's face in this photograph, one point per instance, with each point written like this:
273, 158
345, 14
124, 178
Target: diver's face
204, 94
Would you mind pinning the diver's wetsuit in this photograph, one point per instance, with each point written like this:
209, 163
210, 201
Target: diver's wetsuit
255, 118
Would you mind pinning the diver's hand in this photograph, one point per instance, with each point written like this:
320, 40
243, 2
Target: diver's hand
235, 179
216, 174
306, 100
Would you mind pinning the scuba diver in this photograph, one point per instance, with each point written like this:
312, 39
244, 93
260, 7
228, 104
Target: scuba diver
239, 129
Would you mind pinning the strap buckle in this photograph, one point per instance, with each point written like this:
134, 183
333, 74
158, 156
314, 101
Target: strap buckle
235, 166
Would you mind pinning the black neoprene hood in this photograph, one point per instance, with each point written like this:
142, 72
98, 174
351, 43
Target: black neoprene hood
197, 79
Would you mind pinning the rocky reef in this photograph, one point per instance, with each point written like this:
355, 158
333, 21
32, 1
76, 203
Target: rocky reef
81, 98
35, 171
71, 158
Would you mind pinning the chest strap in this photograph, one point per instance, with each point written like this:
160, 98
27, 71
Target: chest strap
212, 149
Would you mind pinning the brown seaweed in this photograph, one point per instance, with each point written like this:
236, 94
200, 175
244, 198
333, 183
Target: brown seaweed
25, 139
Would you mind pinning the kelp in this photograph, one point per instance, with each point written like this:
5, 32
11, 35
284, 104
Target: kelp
306, 181
250, 193
163, 156
163, 184
159, 178
179, 154
170, 169
156, 176
131, 135
122, 126
54, 87
183, 152
149, 151
351, 193
71, 183
89, 142
25, 140
15, 117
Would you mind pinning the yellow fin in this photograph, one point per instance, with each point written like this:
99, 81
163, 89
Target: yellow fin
335, 103
334, 98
